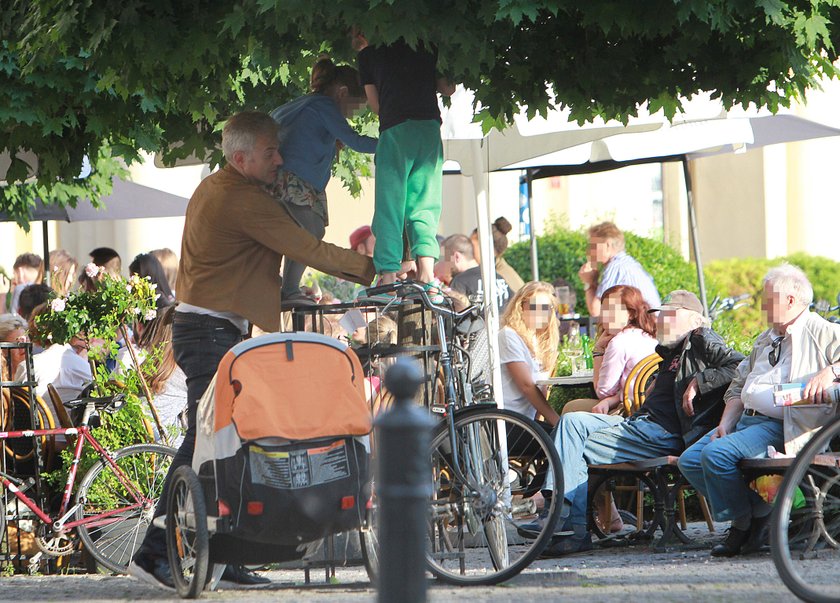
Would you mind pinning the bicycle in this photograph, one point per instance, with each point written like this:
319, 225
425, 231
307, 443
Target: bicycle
485, 463
115, 500
721, 305
805, 526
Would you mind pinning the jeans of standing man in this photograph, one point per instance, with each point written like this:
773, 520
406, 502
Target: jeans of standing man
584, 438
711, 466
293, 271
198, 343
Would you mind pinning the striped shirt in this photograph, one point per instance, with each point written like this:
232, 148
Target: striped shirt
623, 269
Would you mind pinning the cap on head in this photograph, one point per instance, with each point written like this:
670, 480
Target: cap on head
681, 299
359, 236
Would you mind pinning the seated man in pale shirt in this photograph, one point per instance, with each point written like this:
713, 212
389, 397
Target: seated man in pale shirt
799, 347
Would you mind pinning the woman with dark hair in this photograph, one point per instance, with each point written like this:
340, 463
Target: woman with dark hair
146, 265
312, 128
499, 230
629, 335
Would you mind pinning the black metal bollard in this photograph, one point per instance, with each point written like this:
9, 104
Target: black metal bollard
403, 488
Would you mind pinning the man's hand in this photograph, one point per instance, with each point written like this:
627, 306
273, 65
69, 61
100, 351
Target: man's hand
731, 414
588, 273
816, 386
602, 408
688, 397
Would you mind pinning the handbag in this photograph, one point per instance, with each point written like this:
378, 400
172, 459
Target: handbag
802, 421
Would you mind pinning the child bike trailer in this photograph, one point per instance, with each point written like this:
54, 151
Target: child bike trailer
281, 457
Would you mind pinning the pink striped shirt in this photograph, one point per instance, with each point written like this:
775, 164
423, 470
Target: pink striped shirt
624, 351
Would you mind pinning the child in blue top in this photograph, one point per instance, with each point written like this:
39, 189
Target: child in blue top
311, 127
401, 84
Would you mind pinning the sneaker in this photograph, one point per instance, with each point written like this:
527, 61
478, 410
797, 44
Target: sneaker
296, 300
151, 570
534, 528
567, 545
239, 574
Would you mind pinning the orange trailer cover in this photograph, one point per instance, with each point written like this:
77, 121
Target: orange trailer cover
297, 390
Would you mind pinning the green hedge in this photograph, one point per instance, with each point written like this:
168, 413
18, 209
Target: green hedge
562, 252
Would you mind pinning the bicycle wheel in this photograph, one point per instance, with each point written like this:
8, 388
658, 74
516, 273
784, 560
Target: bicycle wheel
505, 458
187, 537
805, 527
113, 540
369, 543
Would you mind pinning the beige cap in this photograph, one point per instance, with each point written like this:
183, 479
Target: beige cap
681, 299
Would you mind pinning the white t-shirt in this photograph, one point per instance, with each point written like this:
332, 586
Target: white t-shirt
513, 349
60, 365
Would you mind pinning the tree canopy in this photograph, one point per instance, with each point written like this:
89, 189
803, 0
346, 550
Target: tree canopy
104, 80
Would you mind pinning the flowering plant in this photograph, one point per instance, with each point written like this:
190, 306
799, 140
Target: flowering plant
101, 315
98, 314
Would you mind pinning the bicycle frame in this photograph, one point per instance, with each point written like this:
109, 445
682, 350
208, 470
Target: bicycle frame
60, 522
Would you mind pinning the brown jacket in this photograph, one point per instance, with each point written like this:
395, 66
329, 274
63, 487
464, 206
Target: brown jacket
235, 237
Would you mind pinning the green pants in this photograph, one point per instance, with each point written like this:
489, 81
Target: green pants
409, 179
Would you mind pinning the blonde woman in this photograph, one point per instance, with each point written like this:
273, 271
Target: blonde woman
63, 270
528, 344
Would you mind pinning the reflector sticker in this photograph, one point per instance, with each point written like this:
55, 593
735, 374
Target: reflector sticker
295, 469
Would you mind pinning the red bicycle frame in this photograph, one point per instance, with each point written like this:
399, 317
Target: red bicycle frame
94, 520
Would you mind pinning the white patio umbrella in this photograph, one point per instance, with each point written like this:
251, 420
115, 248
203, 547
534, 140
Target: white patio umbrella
555, 146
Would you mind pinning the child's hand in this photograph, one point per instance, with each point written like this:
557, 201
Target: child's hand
409, 266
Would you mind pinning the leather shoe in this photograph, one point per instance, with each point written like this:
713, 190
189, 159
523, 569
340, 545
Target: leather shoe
759, 533
241, 575
733, 543
567, 545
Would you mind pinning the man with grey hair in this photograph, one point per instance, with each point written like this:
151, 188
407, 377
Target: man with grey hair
235, 238
799, 347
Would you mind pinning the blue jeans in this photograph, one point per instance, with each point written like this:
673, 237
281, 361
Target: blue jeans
711, 466
198, 343
584, 438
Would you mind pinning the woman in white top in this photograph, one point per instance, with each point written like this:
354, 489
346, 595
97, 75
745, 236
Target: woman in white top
628, 336
528, 344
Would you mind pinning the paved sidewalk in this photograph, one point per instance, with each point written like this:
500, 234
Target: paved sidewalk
617, 574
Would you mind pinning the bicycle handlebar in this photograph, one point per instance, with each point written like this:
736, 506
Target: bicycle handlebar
403, 288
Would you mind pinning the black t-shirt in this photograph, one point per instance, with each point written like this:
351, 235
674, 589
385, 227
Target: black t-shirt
469, 283
405, 79
660, 405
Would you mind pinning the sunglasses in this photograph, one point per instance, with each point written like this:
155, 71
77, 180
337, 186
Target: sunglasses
776, 352
544, 307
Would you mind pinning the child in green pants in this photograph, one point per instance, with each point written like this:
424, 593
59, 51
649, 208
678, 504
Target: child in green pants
401, 86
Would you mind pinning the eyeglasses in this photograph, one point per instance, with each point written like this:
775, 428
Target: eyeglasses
776, 352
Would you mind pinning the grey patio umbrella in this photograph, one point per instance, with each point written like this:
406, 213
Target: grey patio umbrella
127, 200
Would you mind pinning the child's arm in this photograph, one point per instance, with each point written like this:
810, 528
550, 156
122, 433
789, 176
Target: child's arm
445, 87
372, 97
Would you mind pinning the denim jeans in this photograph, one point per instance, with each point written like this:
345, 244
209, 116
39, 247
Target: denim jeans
711, 466
198, 343
293, 271
584, 438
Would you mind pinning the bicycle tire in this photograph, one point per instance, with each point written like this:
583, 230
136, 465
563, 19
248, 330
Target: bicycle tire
187, 536
472, 533
114, 544
804, 529
369, 545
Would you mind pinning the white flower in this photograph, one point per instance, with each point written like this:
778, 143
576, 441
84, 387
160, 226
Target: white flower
92, 270
137, 310
157, 297
150, 314
154, 286
58, 304
128, 288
